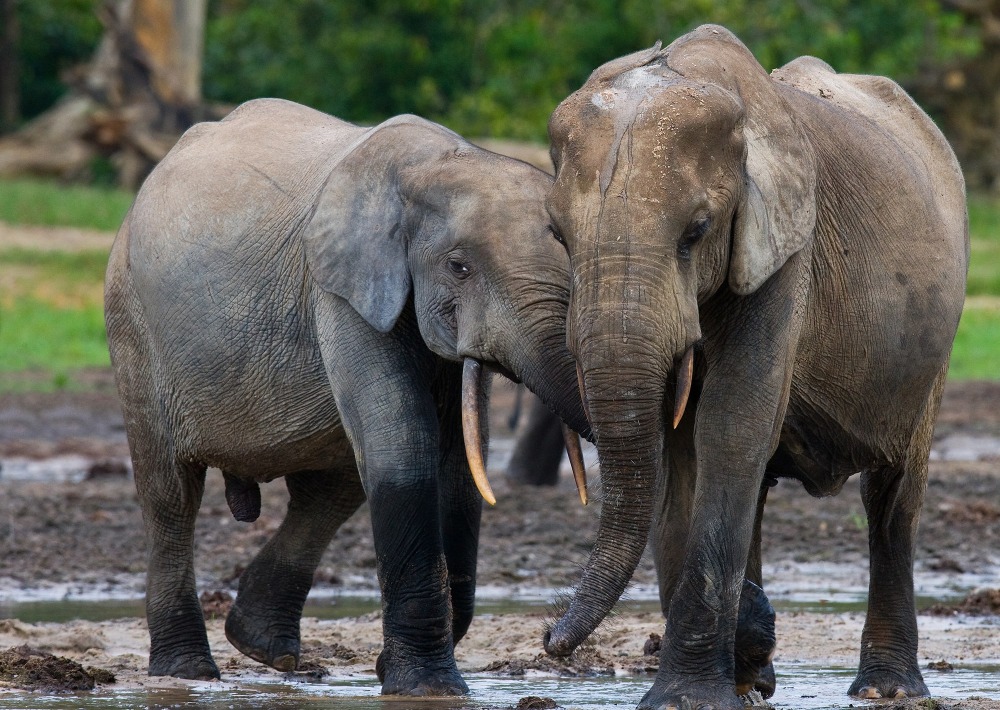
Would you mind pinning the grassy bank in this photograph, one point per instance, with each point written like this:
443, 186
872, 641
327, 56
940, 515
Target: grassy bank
50, 301
50, 204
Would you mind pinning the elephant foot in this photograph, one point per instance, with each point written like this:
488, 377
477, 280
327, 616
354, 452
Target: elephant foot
192, 666
765, 683
886, 683
708, 696
754, 642
418, 679
273, 644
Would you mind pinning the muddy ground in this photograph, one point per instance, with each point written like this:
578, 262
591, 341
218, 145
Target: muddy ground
86, 536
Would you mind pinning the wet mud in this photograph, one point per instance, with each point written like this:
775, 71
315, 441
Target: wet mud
79, 536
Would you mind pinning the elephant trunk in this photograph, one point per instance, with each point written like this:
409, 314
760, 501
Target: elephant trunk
535, 353
630, 442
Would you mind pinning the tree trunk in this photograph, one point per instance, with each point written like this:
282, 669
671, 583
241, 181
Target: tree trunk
129, 105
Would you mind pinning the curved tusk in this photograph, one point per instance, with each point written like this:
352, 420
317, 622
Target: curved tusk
575, 453
685, 374
472, 376
583, 391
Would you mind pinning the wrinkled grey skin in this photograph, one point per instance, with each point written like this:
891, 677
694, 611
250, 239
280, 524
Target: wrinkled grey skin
292, 295
806, 232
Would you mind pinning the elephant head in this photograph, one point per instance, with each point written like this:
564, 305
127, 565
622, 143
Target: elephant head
414, 213
679, 172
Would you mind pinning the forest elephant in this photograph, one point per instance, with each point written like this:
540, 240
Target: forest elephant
292, 295
538, 445
767, 276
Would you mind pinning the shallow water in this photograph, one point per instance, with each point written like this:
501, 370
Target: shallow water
799, 688
73, 468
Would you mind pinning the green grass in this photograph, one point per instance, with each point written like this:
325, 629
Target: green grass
37, 335
59, 266
976, 354
44, 203
984, 264
50, 301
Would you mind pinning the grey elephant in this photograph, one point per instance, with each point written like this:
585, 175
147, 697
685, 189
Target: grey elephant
292, 295
784, 257
538, 447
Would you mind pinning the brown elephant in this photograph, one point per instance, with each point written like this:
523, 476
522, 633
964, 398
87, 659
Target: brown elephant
785, 256
294, 296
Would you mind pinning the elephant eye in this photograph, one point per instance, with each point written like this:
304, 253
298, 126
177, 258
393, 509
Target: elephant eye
557, 235
695, 231
458, 268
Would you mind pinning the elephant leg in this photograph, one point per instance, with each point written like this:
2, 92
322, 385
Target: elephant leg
538, 450
461, 504
893, 496
381, 383
264, 621
170, 495
754, 639
673, 505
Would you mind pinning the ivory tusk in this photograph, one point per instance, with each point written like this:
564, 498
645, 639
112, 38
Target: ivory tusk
685, 374
575, 453
472, 376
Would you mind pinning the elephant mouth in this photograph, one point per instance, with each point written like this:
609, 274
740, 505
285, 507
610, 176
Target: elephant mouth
501, 370
472, 386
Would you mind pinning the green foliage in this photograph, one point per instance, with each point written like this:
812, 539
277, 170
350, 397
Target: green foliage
56, 35
499, 67
48, 203
484, 67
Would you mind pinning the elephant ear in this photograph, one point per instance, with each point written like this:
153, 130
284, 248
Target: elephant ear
355, 241
778, 213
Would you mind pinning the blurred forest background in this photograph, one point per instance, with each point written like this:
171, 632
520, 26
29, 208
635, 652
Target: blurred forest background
482, 67
94, 92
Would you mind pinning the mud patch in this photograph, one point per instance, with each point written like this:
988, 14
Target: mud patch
979, 602
26, 668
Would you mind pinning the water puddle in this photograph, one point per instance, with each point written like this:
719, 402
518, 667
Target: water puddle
74, 468
799, 688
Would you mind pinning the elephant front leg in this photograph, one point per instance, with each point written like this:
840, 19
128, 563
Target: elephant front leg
381, 385
754, 636
264, 621
740, 408
460, 503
